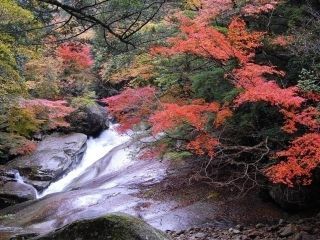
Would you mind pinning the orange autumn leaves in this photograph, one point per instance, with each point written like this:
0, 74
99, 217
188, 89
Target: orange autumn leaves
300, 159
208, 42
241, 39
134, 106
255, 82
197, 115
172, 115
200, 40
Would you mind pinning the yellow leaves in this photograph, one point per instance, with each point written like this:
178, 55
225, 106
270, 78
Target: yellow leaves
177, 94
140, 68
22, 121
6, 54
193, 4
11, 12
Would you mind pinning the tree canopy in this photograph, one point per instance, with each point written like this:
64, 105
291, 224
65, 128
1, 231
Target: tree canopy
214, 81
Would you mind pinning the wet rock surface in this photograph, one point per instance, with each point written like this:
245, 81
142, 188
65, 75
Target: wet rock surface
155, 192
12, 191
92, 200
55, 155
302, 229
113, 226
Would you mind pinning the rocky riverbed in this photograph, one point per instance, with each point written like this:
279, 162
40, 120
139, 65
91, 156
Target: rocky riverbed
109, 179
302, 229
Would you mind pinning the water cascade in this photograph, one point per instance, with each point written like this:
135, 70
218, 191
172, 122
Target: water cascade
96, 149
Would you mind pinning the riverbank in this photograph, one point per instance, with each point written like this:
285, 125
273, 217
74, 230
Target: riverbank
302, 229
218, 213
160, 193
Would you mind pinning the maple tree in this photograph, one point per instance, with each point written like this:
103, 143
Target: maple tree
49, 114
172, 115
201, 40
203, 144
254, 82
214, 43
301, 158
131, 106
195, 115
257, 88
75, 54
241, 39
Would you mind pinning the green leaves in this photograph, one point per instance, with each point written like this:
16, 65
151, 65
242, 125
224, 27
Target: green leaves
11, 12
308, 81
22, 122
15, 50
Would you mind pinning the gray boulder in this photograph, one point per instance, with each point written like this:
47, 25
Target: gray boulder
115, 226
13, 191
90, 120
54, 156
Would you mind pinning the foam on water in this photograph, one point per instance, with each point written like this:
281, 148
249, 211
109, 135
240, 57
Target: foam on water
96, 149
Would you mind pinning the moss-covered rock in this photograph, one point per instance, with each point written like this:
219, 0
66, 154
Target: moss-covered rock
115, 226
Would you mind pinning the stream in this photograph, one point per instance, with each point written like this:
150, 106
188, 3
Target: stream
90, 166
106, 180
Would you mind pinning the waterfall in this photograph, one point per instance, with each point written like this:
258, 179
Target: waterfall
18, 177
20, 180
96, 149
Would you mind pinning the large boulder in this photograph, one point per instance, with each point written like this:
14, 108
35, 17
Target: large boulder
13, 191
54, 156
295, 198
90, 120
115, 226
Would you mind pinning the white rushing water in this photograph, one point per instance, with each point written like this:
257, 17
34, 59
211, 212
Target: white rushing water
96, 149
18, 177
20, 180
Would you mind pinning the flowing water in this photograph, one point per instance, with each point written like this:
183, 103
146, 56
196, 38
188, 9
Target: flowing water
96, 149
20, 180
108, 179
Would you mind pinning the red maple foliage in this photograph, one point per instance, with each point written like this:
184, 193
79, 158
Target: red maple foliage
51, 114
301, 158
222, 115
75, 54
203, 144
257, 83
196, 115
210, 9
243, 40
252, 79
308, 117
204, 41
173, 115
131, 106
27, 147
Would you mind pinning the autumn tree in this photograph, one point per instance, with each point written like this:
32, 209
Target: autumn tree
131, 107
15, 51
204, 127
75, 55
